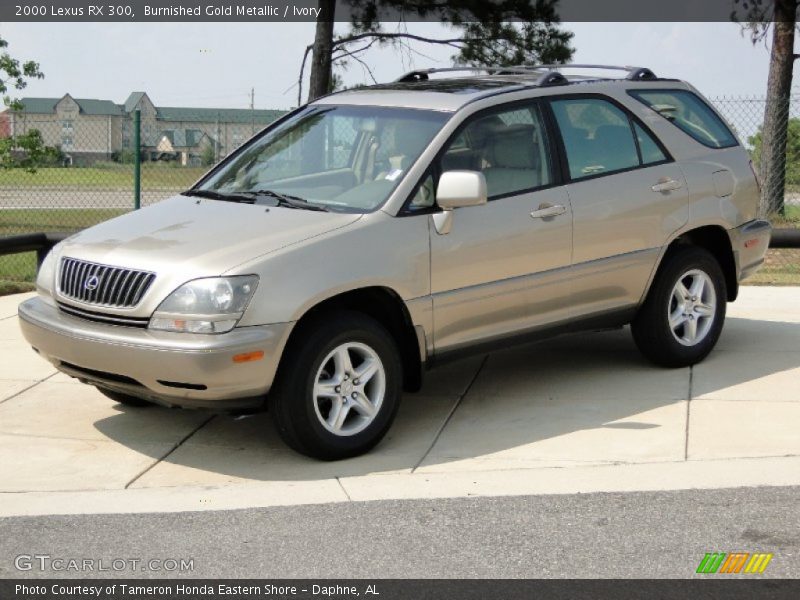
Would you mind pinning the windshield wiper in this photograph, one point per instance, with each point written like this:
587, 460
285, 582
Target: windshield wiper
252, 197
288, 200
235, 197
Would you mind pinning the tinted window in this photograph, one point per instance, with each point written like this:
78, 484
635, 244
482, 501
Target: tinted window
508, 146
597, 136
690, 114
651, 152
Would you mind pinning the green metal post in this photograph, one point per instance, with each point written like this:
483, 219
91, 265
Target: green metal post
137, 159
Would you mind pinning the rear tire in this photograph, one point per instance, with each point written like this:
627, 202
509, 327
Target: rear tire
682, 317
124, 398
338, 388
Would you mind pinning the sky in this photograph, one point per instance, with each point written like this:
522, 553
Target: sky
217, 64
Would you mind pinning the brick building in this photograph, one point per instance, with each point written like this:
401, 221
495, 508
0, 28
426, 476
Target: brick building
88, 130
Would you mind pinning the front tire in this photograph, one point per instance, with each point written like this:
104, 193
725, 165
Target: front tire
339, 386
682, 317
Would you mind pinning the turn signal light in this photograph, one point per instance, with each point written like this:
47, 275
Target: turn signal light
248, 356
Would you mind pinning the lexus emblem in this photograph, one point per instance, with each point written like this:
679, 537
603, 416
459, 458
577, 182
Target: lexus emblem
92, 283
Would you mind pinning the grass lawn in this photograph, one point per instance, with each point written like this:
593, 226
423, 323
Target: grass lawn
15, 287
17, 273
789, 218
31, 220
781, 267
153, 176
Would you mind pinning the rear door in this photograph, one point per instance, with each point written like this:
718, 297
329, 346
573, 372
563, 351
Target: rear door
627, 197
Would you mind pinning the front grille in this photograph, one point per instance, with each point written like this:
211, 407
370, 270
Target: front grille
102, 285
98, 317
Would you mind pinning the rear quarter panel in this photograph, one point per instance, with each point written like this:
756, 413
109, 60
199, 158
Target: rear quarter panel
730, 201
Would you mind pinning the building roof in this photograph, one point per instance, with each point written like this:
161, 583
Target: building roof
132, 101
88, 106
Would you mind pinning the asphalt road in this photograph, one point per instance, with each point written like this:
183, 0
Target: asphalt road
644, 535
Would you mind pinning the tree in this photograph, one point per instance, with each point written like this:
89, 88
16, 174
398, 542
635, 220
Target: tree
26, 150
759, 16
792, 157
497, 33
209, 155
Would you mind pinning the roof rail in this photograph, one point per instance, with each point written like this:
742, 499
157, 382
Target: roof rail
422, 74
641, 74
551, 77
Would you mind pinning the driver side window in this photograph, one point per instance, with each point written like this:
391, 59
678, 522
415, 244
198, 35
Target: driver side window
508, 145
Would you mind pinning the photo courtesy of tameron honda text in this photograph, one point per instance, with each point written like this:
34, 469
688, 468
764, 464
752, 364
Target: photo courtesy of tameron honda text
320, 269
190, 590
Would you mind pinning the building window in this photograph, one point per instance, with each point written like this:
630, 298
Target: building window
66, 142
67, 125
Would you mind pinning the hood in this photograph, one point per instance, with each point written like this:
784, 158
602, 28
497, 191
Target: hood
197, 237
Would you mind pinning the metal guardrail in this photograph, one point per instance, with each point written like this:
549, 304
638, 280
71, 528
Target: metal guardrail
785, 238
41, 243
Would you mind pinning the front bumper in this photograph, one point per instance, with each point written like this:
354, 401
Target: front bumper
173, 369
750, 242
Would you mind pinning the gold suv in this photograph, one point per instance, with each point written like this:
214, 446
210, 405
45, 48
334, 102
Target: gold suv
361, 239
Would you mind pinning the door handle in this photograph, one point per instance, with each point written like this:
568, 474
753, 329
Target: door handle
546, 211
666, 184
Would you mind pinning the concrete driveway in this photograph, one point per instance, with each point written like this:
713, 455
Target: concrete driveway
580, 413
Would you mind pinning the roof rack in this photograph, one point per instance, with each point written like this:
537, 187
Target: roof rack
548, 74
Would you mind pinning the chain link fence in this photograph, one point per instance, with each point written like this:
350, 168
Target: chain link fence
780, 181
88, 174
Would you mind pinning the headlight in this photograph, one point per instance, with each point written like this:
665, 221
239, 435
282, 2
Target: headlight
212, 305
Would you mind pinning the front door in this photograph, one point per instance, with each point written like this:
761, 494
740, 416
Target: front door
503, 267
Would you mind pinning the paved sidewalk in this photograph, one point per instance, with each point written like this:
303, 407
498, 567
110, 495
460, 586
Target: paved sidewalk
580, 413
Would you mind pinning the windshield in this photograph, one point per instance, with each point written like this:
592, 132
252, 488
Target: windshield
346, 158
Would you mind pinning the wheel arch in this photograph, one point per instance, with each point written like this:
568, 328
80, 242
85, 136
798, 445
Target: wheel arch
714, 239
385, 306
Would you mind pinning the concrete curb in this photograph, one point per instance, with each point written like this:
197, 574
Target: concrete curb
708, 474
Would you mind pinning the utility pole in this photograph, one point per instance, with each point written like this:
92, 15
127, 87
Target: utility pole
218, 142
252, 111
137, 159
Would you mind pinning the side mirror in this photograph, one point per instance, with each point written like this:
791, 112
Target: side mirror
457, 189
461, 188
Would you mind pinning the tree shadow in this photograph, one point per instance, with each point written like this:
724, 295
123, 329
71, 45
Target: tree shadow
579, 399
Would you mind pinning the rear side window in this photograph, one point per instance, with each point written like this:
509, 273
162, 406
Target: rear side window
690, 114
597, 137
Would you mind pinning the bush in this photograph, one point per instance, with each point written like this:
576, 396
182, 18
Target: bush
209, 156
